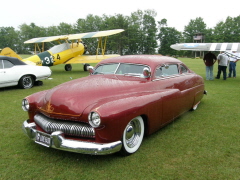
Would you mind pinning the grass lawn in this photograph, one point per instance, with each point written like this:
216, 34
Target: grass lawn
202, 144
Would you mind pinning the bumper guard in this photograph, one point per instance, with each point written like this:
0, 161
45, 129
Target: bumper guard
56, 140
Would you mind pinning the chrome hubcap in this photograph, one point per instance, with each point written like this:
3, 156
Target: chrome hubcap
27, 82
133, 132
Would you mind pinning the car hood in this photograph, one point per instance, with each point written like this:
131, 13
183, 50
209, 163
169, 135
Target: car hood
71, 98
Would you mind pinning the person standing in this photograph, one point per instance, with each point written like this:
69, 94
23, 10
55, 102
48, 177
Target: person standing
209, 59
222, 65
232, 65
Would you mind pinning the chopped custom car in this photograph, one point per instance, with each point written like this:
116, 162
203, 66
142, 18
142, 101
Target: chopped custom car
123, 99
15, 72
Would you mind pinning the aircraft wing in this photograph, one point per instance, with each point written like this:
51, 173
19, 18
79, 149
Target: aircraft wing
235, 55
75, 36
207, 46
94, 34
46, 39
83, 59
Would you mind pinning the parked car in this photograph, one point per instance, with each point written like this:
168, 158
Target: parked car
111, 110
15, 72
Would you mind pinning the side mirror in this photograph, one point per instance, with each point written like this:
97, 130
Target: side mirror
166, 66
90, 69
146, 73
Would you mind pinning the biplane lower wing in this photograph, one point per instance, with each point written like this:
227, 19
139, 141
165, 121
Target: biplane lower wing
207, 46
90, 58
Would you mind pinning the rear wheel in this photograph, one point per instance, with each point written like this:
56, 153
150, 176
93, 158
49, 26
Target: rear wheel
68, 67
132, 136
26, 82
85, 67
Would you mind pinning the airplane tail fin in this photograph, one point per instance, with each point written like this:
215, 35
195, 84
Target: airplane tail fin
9, 52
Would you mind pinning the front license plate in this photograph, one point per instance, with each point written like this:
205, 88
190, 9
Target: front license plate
43, 139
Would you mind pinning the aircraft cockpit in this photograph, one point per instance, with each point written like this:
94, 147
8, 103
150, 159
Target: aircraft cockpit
59, 48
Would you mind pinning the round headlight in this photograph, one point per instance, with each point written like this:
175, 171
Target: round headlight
94, 119
25, 105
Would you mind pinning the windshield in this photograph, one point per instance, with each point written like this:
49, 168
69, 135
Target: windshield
121, 68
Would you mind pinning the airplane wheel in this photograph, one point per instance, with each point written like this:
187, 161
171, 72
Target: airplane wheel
68, 67
85, 67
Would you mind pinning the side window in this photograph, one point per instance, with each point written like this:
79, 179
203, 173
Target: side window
7, 64
158, 72
183, 69
1, 64
166, 70
169, 70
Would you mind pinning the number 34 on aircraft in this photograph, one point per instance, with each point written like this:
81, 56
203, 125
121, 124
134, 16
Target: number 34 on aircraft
70, 52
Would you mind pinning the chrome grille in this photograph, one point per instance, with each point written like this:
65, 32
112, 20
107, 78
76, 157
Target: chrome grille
69, 128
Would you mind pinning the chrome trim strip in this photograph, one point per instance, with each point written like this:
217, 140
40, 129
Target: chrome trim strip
61, 143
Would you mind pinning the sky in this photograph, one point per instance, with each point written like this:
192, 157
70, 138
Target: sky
52, 12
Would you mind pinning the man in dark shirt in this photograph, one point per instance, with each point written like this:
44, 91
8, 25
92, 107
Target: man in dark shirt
209, 60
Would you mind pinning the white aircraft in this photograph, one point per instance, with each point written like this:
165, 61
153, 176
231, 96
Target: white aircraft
230, 47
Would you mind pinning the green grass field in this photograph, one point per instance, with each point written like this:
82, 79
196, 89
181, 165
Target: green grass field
202, 144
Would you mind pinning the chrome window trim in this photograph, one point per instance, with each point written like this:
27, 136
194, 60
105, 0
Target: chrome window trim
130, 74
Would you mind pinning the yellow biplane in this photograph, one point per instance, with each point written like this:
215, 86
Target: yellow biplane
71, 51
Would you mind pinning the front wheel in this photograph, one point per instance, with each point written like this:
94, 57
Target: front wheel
132, 136
26, 82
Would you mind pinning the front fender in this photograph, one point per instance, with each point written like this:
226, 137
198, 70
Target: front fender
116, 114
35, 100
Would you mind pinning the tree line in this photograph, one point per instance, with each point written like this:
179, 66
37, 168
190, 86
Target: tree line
142, 35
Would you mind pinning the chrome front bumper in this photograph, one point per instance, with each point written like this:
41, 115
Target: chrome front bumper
56, 140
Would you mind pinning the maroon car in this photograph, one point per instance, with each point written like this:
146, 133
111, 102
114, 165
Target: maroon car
123, 99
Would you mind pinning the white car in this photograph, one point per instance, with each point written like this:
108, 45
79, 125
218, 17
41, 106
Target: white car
15, 72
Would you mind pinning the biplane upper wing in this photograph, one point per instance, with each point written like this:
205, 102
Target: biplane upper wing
46, 39
94, 34
90, 58
75, 36
207, 46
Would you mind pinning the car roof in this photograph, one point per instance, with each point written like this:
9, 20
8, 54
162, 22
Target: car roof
151, 60
13, 60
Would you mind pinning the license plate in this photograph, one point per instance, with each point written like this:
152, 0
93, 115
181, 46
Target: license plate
43, 139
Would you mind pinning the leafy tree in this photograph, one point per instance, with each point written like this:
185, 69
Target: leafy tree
142, 32
167, 37
65, 29
28, 32
116, 43
140, 35
228, 31
194, 26
149, 30
133, 34
9, 38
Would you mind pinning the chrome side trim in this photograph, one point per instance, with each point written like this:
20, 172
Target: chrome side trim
59, 142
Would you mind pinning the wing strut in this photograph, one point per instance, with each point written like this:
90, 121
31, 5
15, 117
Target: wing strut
37, 48
101, 46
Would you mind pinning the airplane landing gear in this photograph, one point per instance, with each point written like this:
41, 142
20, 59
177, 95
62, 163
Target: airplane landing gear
68, 67
85, 67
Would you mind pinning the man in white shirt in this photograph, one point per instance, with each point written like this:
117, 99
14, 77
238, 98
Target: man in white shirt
222, 65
